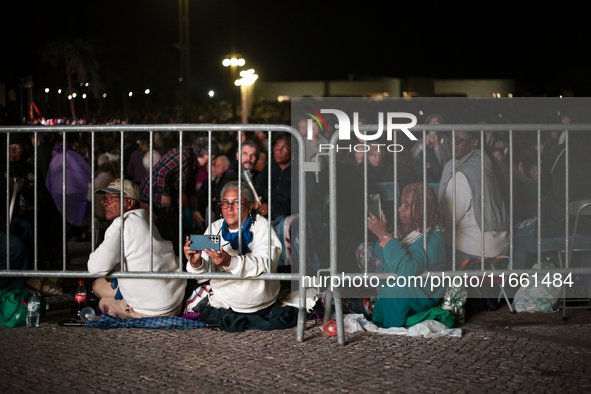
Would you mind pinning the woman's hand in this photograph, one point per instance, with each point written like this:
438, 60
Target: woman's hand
219, 258
377, 226
193, 256
263, 209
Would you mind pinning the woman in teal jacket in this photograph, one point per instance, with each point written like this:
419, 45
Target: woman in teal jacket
405, 256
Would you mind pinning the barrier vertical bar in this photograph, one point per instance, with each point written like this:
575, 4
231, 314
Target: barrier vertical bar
270, 152
425, 190
395, 185
567, 251
269, 165
540, 201
482, 200
64, 240
92, 199
511, 199
453, 198
209, 196
302, 233
332, 185
239, 192
151, 210
122, 177
181, 199
566, 196
366, 205
8, 201
35, 203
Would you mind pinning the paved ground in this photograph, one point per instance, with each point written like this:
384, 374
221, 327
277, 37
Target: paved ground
498, 352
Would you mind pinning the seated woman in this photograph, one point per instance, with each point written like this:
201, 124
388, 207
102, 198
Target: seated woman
405, 256
242, 296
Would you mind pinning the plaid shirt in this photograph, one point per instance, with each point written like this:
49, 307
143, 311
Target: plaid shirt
166, 178
166, 322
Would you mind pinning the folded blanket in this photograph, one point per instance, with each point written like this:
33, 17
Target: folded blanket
166, 322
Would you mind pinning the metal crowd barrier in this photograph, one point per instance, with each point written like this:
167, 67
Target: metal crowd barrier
451, 128
180, 274
302, 169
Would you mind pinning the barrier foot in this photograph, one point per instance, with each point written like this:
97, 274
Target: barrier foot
338, 307
327, 306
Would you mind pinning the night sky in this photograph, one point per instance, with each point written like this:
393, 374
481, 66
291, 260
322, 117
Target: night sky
543, 49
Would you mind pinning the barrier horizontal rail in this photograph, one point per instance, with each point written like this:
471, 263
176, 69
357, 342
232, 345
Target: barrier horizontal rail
148, 275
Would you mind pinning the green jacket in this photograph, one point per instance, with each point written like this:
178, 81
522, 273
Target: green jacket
395, 304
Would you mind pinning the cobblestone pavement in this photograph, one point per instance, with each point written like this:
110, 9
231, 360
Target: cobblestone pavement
498, 352
491, 356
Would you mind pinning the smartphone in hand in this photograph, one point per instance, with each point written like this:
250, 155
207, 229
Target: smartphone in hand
202, 242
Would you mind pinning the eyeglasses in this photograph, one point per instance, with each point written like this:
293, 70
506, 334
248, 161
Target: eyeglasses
281, 148
112, 199
459, 139
227, 204
16, 148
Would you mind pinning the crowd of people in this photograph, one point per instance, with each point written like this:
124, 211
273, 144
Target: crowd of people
478, 213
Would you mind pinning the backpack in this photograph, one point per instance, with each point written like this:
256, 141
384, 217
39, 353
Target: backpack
13, 307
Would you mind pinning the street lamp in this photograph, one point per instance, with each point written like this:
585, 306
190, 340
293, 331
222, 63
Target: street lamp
233, 61
246, 91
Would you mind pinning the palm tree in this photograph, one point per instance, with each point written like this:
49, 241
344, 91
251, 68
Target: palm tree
80, 63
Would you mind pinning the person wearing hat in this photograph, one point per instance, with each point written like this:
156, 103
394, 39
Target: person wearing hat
134, 298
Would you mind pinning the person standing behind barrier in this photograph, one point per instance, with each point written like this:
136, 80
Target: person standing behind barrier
166, 186
469, 227
21, 167
77, 181
133, 298
242, 296
405, 256
250, 156
280, 181
135, 166
438, 151
554, 205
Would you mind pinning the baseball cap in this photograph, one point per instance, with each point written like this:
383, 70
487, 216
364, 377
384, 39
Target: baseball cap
129, 188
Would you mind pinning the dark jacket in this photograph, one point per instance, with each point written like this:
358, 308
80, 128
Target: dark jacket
280, 188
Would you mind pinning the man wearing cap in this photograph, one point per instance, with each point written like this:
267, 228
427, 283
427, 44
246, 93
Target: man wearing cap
133, 298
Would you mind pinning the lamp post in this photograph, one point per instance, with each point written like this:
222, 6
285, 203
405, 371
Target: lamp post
246, 91
233, 61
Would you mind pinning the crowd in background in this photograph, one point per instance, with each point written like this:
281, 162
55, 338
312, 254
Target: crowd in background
282, 158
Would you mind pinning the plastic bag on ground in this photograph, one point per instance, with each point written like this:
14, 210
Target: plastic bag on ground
428, 329
541, 298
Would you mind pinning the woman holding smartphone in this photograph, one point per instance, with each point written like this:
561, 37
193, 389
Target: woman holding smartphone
405, 256
242, 296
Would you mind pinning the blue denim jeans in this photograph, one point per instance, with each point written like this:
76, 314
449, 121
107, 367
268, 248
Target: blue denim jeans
525, 239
